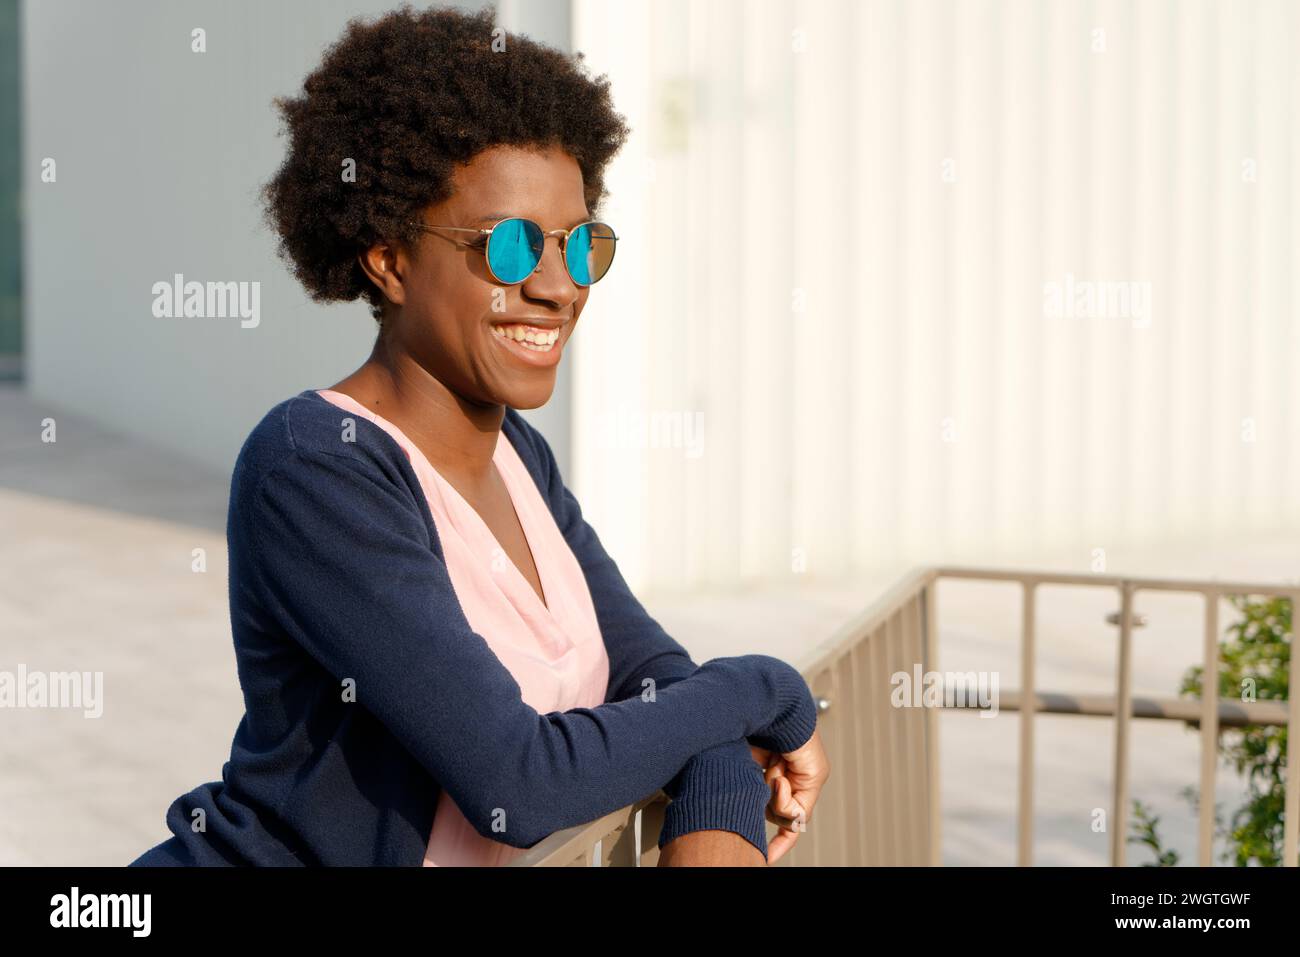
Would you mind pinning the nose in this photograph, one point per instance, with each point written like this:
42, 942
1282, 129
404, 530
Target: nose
550, 280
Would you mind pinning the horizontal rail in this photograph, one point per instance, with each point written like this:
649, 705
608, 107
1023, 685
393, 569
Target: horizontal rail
1202, 587
1231, 713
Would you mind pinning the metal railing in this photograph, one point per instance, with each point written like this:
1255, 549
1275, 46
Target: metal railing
881, 803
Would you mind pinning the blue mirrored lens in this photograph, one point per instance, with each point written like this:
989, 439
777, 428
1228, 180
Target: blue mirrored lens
578, 254
515, 249
589, 252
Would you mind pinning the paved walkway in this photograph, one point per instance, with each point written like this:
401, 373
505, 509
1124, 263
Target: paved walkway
96, 541
97, 536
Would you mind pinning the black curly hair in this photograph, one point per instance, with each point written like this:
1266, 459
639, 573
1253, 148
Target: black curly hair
407, 97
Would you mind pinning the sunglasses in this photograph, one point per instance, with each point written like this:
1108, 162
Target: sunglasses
514, 249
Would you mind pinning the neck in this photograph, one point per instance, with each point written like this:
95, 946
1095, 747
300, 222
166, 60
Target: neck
456, 436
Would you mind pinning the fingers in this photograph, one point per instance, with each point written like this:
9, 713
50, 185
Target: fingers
783, 808
779, 845
783, 797
788, 812
775, 811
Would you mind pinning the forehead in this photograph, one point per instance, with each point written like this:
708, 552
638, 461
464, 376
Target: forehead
541, 183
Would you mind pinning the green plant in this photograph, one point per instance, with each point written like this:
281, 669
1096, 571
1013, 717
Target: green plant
1144, 832
1254, 665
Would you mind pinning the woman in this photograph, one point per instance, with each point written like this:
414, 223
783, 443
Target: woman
440, 663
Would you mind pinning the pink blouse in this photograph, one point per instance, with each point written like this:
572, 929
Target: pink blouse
554, 649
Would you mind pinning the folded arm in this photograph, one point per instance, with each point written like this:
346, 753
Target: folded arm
342, 562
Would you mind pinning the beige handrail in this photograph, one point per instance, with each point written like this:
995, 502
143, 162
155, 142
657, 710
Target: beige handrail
881, 804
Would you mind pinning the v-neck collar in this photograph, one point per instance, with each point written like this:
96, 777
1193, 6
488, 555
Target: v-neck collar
531, 535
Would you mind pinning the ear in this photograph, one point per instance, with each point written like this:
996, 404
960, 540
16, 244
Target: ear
386, 265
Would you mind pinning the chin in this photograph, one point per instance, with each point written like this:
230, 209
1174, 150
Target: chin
529, 398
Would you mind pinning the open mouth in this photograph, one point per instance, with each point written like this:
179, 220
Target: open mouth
533, 338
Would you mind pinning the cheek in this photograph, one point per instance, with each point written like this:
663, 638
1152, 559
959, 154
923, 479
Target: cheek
452, 300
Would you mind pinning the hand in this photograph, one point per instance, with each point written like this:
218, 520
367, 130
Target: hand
796, 779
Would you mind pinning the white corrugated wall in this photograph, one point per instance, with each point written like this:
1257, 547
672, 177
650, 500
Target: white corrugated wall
841, 221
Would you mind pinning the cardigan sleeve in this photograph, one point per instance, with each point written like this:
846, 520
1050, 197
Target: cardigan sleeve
721, 788
340, 560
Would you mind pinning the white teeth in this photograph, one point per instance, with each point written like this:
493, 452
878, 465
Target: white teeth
539, 340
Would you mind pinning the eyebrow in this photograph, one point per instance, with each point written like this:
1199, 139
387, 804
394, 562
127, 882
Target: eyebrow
496, 217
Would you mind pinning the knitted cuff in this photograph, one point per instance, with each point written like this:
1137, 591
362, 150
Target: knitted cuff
718, 794
798, 718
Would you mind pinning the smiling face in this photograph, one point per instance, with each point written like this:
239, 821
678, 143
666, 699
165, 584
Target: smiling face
447, 312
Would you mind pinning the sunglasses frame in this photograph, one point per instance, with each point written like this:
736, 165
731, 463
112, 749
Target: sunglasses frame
564, 235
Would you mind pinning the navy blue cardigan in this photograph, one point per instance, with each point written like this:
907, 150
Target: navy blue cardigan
366, 691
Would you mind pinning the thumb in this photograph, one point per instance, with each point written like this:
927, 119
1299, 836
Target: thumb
783, 798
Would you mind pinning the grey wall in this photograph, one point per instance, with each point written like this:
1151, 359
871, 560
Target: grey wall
160, 154
10, 228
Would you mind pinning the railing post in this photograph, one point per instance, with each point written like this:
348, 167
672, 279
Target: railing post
1209, 729
652, 823
1291, 797
935, 849
1123, 711
1025, 840
621, 850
